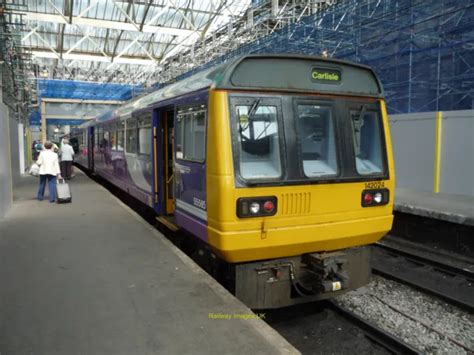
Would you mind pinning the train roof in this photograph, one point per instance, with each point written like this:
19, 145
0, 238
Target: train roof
87, 124
275, 72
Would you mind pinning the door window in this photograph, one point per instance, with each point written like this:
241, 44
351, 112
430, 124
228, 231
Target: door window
191, 133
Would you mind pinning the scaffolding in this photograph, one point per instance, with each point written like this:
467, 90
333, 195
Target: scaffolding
262, 19
15, 62
423, 50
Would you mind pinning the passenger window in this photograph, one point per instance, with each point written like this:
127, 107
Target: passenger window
366, 128
75, 143
106, 139
144, 135
191, 133
259, 148
119, 140
113, 140
131, 141
100, 137
315, 127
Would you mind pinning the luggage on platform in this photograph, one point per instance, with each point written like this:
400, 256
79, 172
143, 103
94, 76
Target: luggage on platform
63, 192
34, 170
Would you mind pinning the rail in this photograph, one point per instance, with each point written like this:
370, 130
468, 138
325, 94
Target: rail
376, 334
429, 273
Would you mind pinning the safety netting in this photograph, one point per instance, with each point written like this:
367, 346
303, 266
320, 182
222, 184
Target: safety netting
71, 89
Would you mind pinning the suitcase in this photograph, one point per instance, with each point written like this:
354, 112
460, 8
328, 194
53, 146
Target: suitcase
63, 192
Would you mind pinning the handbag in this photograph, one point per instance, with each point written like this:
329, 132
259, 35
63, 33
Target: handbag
34, 169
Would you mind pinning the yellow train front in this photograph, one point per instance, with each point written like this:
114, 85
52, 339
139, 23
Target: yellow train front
299, 176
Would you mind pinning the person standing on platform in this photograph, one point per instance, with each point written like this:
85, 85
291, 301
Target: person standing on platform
48, 162
66, 137
34, 153
38, 149
67, 157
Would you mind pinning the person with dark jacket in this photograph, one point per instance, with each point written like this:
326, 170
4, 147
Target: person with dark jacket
67, 157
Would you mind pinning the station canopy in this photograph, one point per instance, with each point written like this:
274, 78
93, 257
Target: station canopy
119, 41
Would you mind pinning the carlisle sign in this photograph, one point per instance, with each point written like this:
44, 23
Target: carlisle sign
327, 76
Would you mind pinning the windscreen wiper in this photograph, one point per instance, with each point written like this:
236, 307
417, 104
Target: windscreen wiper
253, 108
358, 123
363, 111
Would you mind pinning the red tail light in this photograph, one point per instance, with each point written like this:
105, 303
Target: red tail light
368, 198
371, 198
268, 206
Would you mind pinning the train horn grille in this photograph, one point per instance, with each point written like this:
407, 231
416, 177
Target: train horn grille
294, 204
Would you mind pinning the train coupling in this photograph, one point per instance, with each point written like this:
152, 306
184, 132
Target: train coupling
328, 271
304, 278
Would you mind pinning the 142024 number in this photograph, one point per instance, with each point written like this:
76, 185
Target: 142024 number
375, 185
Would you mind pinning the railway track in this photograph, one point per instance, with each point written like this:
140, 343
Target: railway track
421, 320
373, 332
429, 272
328, 328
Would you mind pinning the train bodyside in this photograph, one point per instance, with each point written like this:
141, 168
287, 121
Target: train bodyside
104, 152
78, 140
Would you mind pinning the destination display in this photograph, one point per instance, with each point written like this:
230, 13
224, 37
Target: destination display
327, 76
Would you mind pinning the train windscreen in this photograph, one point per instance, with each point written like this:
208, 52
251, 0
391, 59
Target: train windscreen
315, 129
259, 148
306, 139
367, 141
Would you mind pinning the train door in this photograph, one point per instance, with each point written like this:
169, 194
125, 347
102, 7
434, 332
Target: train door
90, 148
190, 168
168, 121
163, 120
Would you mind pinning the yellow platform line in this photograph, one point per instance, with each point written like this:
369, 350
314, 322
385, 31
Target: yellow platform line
437, 152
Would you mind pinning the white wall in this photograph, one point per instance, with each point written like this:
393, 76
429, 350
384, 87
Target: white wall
10, 166
6, 195
457, 153
21, 147
413, 139
14, 151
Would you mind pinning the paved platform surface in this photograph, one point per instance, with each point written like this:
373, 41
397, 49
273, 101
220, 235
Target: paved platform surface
452, 208
91, 277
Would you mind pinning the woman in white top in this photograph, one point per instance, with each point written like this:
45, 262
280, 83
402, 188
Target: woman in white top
48, 162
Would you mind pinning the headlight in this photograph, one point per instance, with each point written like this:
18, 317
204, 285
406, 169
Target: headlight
256, 206
378, 197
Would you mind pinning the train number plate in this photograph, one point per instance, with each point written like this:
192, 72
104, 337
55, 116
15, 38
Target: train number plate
374, 185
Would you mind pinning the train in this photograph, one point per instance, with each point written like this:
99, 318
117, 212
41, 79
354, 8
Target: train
279, 166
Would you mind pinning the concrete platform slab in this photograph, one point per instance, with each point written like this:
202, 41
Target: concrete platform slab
451, 208
91, 277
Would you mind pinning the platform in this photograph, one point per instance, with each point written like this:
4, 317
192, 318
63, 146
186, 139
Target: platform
450, 208
91, 277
